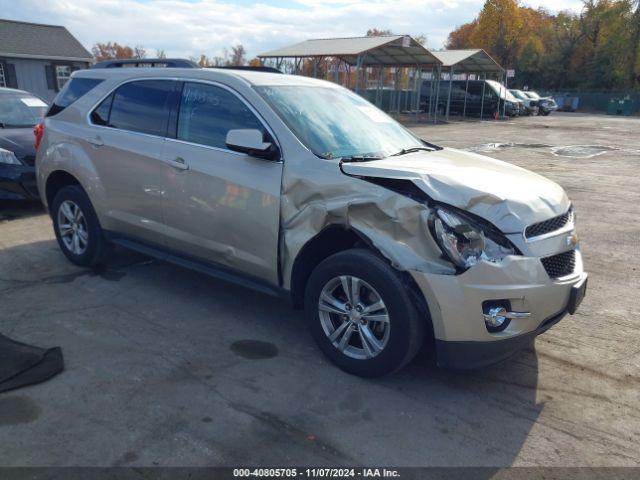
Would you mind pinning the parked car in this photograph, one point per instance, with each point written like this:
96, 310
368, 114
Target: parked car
496, 98
20, 111
546, 105
530, 105
299, 187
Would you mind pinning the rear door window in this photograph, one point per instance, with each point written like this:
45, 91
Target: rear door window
72, 91
208, 112
142, 106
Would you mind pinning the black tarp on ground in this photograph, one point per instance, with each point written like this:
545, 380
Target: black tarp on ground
22, 365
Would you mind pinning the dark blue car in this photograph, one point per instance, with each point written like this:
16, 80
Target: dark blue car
20, 111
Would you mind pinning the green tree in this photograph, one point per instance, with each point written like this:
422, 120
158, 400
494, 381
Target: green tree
634, 51
499, 29
596, 49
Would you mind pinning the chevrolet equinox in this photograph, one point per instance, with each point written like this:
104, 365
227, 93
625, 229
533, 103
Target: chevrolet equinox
299, 187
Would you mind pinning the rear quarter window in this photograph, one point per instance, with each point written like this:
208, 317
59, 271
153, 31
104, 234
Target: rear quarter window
72, 91
100, 116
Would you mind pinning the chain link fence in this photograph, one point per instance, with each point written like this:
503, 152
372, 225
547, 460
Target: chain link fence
613, 103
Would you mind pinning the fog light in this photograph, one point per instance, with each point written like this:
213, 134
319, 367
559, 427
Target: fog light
497, 315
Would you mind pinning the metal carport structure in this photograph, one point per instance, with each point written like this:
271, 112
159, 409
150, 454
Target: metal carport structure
365, 54
473, 61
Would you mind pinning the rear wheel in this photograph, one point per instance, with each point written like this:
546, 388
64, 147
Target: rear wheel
360, 314
77, 227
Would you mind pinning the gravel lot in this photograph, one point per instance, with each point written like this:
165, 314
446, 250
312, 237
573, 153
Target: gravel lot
156, 376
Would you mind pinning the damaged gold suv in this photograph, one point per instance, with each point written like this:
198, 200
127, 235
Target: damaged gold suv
300, 187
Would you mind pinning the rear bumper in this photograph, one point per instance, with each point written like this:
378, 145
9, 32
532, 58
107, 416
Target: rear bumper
18, 182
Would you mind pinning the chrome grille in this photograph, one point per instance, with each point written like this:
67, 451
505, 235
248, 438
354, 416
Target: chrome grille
560, 265
548, 226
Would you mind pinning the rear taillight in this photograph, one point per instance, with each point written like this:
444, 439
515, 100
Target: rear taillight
38, 131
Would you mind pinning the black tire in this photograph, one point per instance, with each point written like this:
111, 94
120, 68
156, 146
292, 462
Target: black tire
406, 327
96, 244
545, 112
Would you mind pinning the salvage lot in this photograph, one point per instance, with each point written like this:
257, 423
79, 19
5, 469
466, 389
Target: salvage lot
169, 367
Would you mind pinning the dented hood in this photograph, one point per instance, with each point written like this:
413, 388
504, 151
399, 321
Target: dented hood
510, 197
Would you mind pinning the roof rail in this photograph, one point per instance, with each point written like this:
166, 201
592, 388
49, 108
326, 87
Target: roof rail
147, 62
260, 68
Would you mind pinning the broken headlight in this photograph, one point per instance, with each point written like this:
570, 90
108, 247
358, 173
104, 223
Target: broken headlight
465, 241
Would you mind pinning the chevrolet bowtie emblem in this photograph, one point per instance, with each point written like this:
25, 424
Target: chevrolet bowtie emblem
572, 240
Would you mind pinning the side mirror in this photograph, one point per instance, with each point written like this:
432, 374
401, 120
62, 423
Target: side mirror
250, 141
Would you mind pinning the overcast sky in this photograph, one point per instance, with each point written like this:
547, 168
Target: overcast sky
185, 28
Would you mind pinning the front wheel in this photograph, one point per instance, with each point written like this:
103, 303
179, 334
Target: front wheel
361, 315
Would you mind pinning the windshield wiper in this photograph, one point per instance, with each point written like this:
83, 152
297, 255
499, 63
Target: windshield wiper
360, 158
404, 151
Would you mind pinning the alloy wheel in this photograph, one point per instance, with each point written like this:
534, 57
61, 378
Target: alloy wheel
354, 317
72, 227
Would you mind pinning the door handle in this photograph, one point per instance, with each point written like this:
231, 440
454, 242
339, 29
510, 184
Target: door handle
179, 163
95, 141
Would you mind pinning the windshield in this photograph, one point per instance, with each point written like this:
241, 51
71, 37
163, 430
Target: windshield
519, 94
533, 95
502, 92
336, 123
20, 110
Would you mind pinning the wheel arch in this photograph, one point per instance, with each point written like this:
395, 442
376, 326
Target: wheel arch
57, 180
336, 238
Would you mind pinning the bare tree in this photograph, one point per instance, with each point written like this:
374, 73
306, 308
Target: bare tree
421, 39
139, 52
110, 50
238, 55
375, 32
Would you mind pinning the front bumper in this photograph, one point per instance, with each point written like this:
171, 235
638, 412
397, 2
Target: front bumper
467, 355
18, 182
455, 305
